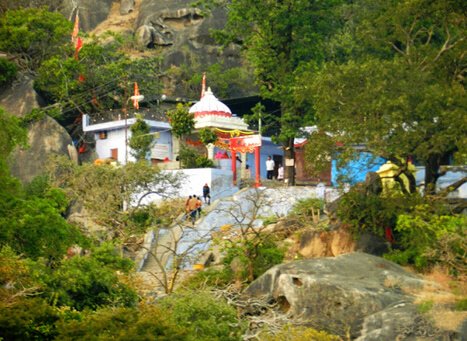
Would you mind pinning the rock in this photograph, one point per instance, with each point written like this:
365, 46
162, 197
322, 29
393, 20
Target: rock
181, 33
45, 137
326, 243
91, 12
358, 293
126, 6
20, 98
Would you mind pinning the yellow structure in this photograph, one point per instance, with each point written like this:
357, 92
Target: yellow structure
388, 172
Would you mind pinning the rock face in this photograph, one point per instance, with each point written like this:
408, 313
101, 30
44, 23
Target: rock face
182, 33
357, 293
45, 137
91, 12
20, 98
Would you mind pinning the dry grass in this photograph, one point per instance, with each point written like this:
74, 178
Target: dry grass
443, 293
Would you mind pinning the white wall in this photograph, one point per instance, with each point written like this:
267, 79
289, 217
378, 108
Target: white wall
115, 139
220, 182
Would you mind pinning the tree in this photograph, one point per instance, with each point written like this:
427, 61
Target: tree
397, 86
35, 35
104, 189
79, 89
249, 245
141, 139
277, 38
182, 124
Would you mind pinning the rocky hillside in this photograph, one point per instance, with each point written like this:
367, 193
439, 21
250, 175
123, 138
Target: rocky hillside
173, 29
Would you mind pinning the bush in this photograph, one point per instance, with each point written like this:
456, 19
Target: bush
261, 255
27, 319
191, 158
91, 282
204, 316
208, 278
428, 238
8, 71
146, 323
308, 209
366, 212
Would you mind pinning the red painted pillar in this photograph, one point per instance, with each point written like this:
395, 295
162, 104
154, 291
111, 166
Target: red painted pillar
234, 166
257, 167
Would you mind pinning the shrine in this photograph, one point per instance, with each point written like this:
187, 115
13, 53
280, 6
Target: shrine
232, 132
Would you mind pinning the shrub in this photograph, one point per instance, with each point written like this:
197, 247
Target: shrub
308, 209
261, 255
191, 158
369, 212
428, 238
208, 278
8, 71
203, 315
146, 323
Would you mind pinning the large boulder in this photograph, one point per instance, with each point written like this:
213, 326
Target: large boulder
45, 138
355, 293
20, 98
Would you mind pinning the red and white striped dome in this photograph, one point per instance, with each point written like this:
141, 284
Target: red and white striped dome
209, 105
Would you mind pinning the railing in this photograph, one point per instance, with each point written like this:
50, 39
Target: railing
117, 115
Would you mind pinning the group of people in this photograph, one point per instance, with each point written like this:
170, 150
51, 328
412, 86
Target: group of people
193, 204
270, 164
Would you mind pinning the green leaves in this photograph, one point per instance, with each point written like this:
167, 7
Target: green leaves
181, 121
141, 139
34, 34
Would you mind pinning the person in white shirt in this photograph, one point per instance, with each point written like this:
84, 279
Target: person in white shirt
270, 167
280, 173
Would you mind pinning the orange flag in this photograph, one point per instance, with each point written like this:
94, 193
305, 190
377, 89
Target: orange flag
74, 35
78, 46
203, 85
135, 101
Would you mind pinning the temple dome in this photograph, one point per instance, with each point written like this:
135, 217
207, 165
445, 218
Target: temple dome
209, 105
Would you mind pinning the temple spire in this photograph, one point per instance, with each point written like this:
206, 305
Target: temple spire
203, 85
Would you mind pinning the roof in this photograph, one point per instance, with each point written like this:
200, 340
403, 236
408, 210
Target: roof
209, 105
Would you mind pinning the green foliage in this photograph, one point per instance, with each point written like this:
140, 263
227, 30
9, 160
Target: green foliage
428, 237
298, 333
145, 323
12, 134
8, 71
35, 35
260, 255
191, 158
365, 93
425, 306
207, 136
27, 319
77, 86
369, 212
103, 190
208, 278
461, 305
203, 315
34, 226
225, 82
91, 282
141, 140
307, 211
181, 121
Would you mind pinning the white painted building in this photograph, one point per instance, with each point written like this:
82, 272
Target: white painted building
209, 112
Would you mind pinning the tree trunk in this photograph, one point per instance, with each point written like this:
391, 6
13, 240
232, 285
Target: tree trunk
289, 154
432, 165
